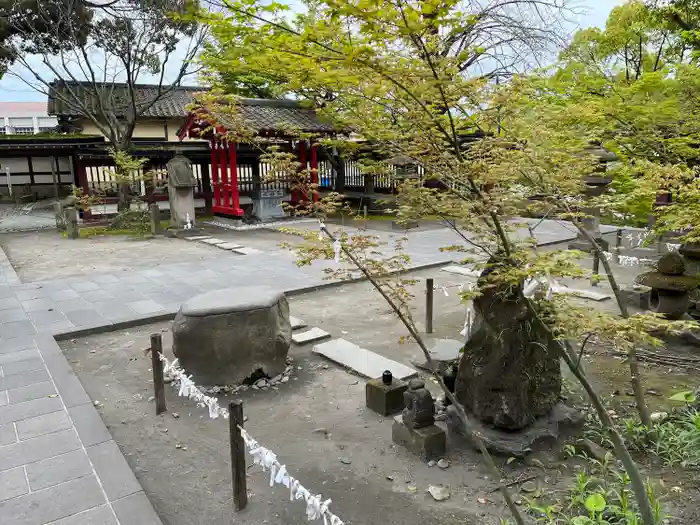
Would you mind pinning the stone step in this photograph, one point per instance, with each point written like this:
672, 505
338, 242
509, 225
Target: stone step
362, 361
310, 336
197, 237
584, 294
213, 241
296, 323
461, 270
229, 246
246, 250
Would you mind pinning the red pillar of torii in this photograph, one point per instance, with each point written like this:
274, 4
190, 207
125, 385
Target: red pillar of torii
224, 168
224, 178
313, 167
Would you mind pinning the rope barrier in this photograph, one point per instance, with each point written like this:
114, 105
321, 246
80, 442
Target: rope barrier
316, 506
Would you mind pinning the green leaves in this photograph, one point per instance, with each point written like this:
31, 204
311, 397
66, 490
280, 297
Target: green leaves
686, 397
595, 503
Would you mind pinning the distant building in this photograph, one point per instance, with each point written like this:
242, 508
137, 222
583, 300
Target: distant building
25, 118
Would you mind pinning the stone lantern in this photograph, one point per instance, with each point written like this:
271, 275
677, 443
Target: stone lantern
596, 184
670, 288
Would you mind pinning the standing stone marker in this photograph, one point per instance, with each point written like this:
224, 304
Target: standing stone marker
181, 182
71, 215
269, 206
224, 336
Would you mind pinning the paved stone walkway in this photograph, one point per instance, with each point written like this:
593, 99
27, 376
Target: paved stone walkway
58, 463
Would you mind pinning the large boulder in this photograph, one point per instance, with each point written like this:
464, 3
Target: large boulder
225, 336
508, 375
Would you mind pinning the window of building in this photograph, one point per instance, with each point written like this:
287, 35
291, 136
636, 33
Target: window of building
46, 129
23, 130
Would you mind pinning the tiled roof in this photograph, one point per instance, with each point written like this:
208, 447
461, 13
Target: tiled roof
265, 115
115, 99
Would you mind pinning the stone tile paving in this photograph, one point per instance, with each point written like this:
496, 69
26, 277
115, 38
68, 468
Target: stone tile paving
58, 463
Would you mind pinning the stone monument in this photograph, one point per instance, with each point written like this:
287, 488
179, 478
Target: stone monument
509, 375
181, 182
415, 427
269, 204
670, 288
226, 336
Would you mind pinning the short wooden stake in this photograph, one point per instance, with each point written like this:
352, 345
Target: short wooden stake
157, 366
238, 470
429, 287
596, 269
155, 218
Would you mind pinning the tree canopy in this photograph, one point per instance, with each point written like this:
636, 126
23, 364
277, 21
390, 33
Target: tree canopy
97, 44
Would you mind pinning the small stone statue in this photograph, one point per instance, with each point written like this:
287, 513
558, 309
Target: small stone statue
181, 184
420, 406
180, 172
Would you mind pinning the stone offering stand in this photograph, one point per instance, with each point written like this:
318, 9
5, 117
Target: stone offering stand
228, 336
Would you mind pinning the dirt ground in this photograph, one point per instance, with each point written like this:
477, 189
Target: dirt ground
356, 465
45, 255
382, 483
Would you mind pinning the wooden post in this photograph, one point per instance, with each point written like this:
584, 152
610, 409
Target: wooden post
238, 470
155, 218
618, 245
429, 286
157, 366
596, 269
71, 215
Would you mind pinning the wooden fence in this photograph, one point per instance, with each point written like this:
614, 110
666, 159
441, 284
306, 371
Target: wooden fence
101, 179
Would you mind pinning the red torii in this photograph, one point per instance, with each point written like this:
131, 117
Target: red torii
224, 170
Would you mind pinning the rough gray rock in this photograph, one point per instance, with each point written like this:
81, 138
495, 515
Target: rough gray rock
223, 337
508, 376
561, 422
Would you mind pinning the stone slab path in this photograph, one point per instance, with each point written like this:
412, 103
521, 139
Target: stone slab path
364, 362
58, 463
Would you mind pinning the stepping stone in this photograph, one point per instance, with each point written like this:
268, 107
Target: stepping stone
584, 294
245, 250
197, 238
213, 241
229, 246
315, 334
442, 352
296, 323
364, 362
461, 270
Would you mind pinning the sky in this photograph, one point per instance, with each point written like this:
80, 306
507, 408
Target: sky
13, 89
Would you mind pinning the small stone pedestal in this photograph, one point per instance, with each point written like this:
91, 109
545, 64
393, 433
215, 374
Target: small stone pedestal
428, 442
385, 399
637, 295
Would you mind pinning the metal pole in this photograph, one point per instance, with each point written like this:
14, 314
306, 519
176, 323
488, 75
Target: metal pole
429, 286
